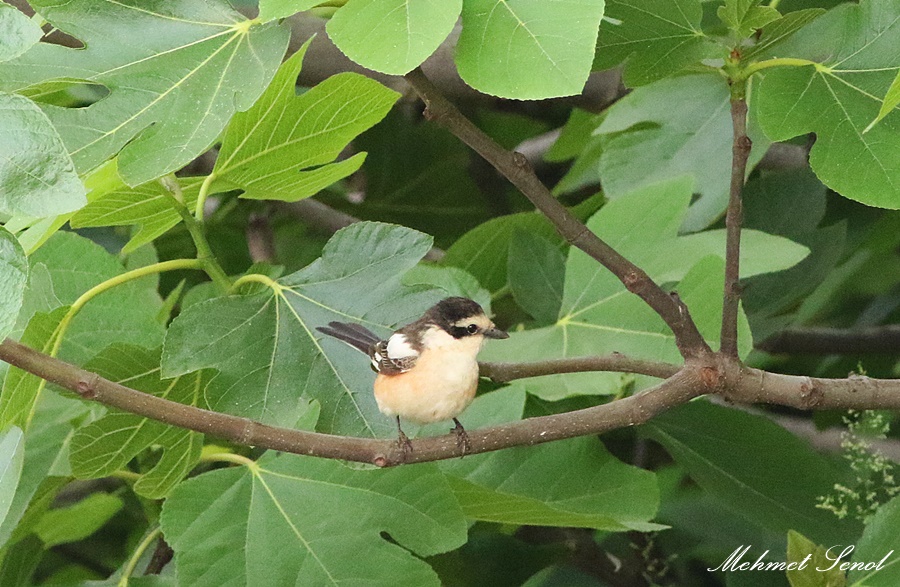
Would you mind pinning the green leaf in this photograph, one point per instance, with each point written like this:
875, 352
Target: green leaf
879, 543
21, 389
656, 37
891, 100
149, 206
743, 17
483, 251
729, 454
46, 443
392, 36
537, 271
275, 9
590, 487
13, 274
309, 131
77, 522
644, 144
318, 516
267, 350
19, 32
598, 315
67, 266
37, 177
452, 280
109, 443
12, 453
527, 49
799, 547
175, 72
780, 30
854, 59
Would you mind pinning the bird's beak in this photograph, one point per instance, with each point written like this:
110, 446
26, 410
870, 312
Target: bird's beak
495, 333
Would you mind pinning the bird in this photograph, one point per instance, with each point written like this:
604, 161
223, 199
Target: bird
427, 371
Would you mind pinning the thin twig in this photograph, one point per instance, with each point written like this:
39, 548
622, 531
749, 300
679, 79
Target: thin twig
835, 341
515, 167
740, 153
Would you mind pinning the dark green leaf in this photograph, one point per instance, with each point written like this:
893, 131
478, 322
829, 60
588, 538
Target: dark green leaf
780, 30
37, 177
275, 9
879, 544
765, 472
304, 521
537, 271
77, 522
854, 58
392, 36
527, 49
308, 131
267, 350
656, 37
175, 71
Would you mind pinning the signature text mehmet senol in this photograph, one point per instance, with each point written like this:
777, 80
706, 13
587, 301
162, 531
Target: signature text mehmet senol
837, 559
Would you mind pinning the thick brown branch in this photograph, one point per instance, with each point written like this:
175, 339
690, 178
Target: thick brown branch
516, 169
506, 372
833, 341
629, 411
740, 153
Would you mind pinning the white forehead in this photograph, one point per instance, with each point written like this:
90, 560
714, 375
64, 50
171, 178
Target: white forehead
480, 321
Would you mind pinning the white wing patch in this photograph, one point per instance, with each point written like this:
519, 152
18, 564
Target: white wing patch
399, 348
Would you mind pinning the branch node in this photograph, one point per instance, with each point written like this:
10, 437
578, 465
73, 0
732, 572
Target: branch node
380, 461
520, 160
710, 377
744, 143
810, 395
248, 432
87, 387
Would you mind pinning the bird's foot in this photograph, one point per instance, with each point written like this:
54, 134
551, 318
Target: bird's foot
462, 438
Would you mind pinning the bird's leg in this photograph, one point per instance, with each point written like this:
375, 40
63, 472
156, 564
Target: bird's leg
403, 440
462, 439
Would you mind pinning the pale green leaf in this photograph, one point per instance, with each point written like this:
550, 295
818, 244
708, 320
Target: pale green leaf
643, 143
109, 443
879, 544
392, 36
13, 274
149, 206
729, 454
37, 177
274, 9
77, 522
528, 49
656, 38
17, 32
810, 558
743, 17
308, 131
304, 521
270, 358
176, 72
780, 30
12, 453
891, 100
452, 280
854, 58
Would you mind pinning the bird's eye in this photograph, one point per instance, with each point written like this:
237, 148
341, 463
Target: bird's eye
472, 328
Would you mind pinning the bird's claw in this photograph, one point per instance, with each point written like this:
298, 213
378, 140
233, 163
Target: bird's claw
462, 438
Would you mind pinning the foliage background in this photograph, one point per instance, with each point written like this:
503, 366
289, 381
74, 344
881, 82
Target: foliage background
156, 165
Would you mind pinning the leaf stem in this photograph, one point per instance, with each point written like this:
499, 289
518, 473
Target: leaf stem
255, 278
138, 553
201, 197
746, 72
229, 457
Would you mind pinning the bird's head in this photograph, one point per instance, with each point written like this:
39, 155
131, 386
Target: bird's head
461, 318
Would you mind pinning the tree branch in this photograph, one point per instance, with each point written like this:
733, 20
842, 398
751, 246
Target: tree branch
740, 153
833, 341
515, 167
506, 372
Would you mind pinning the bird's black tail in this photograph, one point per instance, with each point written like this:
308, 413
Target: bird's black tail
359, 337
